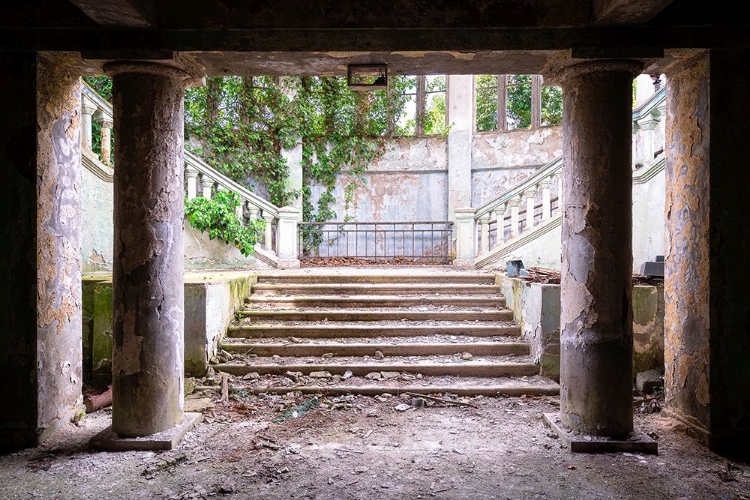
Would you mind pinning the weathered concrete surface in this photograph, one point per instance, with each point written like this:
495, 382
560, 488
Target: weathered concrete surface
648, 220
460, 104
18, 295
536, 308
59, 360
147, 362
201, 252
97, 198
707, 321
499, 161
596, 338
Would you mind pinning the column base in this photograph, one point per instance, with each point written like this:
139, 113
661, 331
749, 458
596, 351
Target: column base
464, 264
288, 264
107, 440
582, 443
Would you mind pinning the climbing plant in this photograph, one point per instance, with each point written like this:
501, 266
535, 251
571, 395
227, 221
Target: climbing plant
217, 216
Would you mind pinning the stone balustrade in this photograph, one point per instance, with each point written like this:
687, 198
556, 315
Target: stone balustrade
201, 179
537, 201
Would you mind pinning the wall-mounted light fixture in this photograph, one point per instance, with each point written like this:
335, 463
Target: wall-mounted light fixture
367, 76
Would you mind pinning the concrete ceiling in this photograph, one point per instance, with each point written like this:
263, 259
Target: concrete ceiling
278, 37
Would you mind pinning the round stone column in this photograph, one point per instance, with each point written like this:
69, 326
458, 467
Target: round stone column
596, 337
148, 290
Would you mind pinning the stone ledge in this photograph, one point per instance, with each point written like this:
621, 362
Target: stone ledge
107, 440
581, 443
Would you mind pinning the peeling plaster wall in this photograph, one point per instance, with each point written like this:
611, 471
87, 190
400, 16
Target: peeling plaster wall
18, 295
687, 267
97, 207
499, 161
201, 252
648, 221
59, 322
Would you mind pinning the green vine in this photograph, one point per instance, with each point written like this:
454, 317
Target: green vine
218, 217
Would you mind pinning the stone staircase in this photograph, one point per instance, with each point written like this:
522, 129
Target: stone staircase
371, 331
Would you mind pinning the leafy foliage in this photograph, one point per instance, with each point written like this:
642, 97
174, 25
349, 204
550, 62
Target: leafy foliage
518, 102
217, 216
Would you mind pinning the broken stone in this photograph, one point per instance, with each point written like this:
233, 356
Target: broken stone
379, 355
389, 375
467, 356
360, 469
374, 376
227, 487
347, 375
320, 374
418, 403
403, 407
189, 386
648, 381
327, 355
251, 376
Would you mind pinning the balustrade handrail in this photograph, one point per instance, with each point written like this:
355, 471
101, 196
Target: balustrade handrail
650, 104
191, 160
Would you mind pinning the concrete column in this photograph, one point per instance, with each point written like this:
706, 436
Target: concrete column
707, 313
530, 195
466, 233
596, 338
88, 109
559, 178
40, 265
293, 159
148, 289
286, 238
106, 141
460, 102
192, 182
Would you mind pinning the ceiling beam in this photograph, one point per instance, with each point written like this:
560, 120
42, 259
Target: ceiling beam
119, 13
109, 43
608, 12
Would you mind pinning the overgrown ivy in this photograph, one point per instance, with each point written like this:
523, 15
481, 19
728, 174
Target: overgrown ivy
217, 216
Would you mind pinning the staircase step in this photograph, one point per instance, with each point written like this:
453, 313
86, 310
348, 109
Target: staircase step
333, 330
378, 315
369, 348
374, 300
460, 386
372, 276
286, 289
361, 367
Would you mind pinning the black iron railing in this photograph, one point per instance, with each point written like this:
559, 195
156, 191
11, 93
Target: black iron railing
419, 241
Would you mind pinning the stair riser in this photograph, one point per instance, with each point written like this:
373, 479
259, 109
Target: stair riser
458, 370
458, 279
475, 349
276, 301
332, 332
378, 316
366, 289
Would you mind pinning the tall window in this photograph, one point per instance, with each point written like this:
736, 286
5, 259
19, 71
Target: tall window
423, 108
508, 102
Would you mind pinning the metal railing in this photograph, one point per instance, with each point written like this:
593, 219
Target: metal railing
426, 241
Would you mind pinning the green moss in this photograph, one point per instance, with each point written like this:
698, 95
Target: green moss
645, 304
101, 356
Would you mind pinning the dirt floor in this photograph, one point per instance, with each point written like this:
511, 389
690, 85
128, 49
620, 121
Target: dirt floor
358, 447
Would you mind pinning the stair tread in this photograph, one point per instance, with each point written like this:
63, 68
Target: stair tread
379, 364
379, 340
374, 325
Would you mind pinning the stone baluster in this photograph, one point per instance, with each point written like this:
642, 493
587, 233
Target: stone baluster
559, 176
239, 210
545, 185
647, 125
106, 140
207, 183
268, 243
497, 215
513, 204
88, 107
530, 195
484, 232
192, 182
252, 212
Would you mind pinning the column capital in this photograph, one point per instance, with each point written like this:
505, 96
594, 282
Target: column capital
104, 121
191, 172
530, 192
546, 183
464, 213
568, 68
514, 201
648, 123
181, 71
